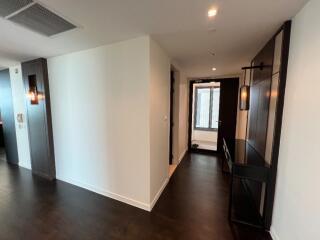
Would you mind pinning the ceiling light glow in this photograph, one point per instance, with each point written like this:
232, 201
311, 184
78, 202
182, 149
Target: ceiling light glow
214, 69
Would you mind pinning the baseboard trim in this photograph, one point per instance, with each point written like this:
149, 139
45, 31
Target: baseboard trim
26, 166
108, 194
274, 234
156, 198
182, 155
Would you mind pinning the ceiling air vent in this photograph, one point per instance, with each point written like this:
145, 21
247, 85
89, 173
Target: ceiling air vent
34, 16
42, 20
7, 7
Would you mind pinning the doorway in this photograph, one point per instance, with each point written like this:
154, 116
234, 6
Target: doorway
205, 116
8, 140
213, 113
3, 156
172, 81
172, 164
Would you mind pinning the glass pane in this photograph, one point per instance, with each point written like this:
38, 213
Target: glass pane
215, 108
203, 107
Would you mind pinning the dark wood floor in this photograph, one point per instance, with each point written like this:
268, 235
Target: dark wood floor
193, 206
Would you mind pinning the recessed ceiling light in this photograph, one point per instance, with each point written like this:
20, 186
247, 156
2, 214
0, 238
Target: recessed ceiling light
212, 13
214, 69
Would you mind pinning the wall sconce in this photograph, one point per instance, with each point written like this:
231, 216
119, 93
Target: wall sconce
244, 97
245, 89
244, 94
33, 94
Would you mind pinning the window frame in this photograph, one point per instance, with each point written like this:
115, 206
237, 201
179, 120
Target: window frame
210, 129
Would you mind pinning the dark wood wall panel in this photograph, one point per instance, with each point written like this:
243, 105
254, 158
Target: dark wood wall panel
39, 120
259, 123
259, 112
259, 102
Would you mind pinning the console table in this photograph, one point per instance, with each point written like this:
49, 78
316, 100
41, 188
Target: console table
249, 180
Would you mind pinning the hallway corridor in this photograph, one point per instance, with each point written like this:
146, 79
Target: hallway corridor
193, 206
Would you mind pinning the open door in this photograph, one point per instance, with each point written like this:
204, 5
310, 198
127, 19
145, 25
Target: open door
228, 110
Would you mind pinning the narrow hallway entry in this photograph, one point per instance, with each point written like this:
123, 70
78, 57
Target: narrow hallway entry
197, 199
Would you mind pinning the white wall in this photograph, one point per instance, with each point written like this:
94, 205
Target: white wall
19, 107
208, 136
100, 115
180, 112
110, 108
159, 122
297, 210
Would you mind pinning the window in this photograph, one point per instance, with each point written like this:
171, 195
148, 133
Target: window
207, 108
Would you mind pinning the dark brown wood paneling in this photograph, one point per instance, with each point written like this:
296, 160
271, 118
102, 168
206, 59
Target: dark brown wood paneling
39, 120
259, 114
286, 28
260, 91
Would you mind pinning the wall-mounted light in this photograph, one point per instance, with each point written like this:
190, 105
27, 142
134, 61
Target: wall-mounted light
244, 97
33, 94
244, 94
212, 12
245, 89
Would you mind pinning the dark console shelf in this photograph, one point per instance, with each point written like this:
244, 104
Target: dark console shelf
246, 166
241, 209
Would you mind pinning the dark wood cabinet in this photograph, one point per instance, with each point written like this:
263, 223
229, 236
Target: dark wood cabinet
249, 171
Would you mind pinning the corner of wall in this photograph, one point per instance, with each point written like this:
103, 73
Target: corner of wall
120, 147
274, 234
19, 107
109, 194
157, 196
159, 93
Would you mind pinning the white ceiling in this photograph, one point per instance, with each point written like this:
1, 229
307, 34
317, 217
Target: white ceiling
181, 27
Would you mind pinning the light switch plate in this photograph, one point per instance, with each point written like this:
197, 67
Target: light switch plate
20, 118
